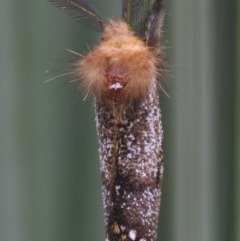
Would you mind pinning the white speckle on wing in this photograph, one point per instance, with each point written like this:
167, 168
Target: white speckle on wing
122, 228
117, 189
132, 234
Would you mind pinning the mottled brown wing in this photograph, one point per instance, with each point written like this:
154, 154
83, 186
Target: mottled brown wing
82, 11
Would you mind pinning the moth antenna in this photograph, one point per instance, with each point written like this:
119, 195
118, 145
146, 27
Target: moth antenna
82, 11
154, 25
136, 13
59, 76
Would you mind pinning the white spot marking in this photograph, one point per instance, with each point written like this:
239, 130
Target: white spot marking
129, 156
122, 228
132, 234
115, 86
117, 189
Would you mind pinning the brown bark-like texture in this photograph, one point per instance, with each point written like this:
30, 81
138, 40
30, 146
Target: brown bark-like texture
131, 163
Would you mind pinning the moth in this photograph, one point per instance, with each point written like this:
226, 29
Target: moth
123, 72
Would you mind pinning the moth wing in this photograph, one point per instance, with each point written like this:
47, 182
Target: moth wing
82, 11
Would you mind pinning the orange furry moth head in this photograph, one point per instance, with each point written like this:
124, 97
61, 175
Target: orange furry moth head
121, 67
125, 64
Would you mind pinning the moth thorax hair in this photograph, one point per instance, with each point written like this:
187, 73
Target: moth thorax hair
121, 68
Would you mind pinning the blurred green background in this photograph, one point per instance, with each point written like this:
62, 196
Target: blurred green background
49, 171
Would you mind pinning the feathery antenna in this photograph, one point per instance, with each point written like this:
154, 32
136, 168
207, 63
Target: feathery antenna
82, 11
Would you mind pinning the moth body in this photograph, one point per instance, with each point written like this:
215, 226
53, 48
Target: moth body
122, 72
